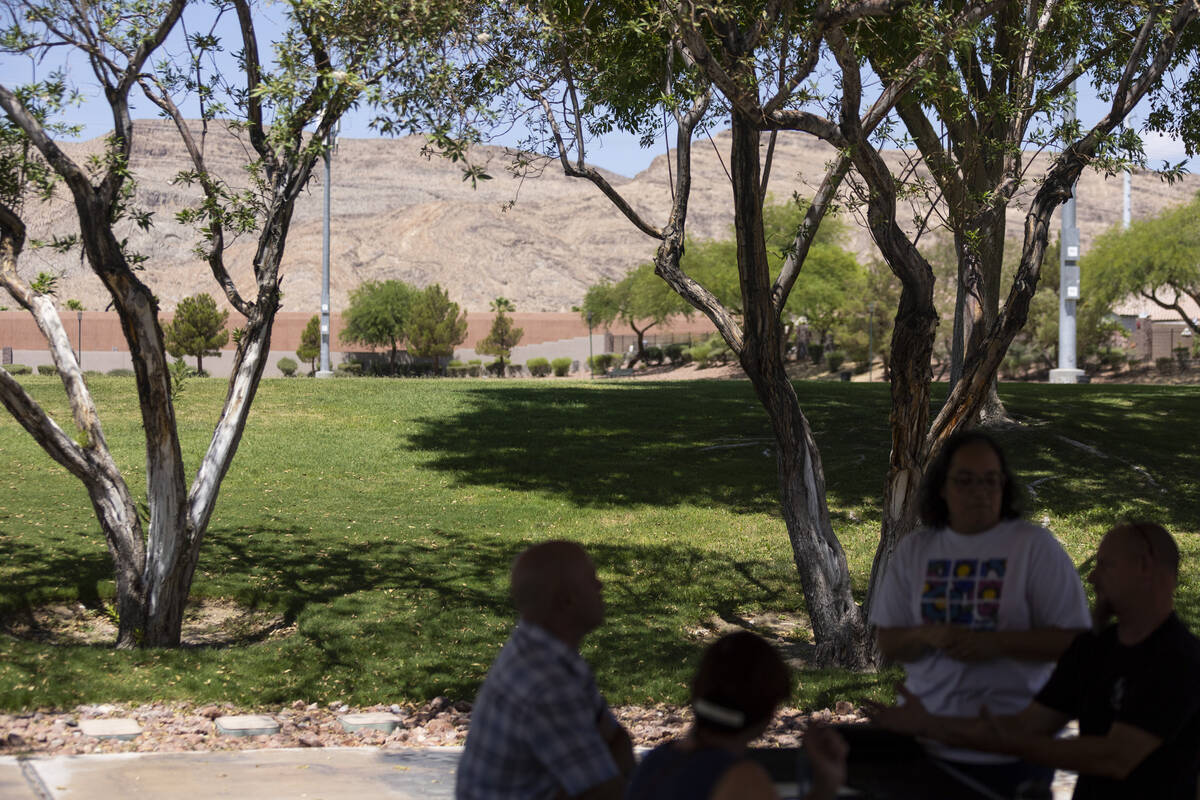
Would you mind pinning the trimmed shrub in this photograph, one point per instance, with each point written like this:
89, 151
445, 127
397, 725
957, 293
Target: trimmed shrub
495, 368
120, 372
816, 353
561, 367
19, 369
47, 369
1164, 365
602, 362
349, 369
835, 359
674, 352
538, 367
654, 355
287, 366
1182, 357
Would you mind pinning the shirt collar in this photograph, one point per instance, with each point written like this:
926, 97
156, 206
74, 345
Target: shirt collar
538, 636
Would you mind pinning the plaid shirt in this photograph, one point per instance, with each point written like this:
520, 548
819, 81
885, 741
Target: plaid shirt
534, 726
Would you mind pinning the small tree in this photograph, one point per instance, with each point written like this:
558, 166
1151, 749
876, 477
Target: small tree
197, 330
310, 344
503, 337
1157, 259
435, 324
377, 315
640, 300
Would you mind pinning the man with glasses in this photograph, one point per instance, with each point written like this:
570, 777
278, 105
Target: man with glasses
1132, 685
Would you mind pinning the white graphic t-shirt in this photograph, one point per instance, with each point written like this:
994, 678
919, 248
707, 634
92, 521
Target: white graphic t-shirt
1012, 577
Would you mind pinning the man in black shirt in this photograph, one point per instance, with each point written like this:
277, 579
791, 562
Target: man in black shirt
1133, 686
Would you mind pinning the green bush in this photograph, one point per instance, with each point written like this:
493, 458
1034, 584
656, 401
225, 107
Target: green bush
475, 367
1112, 358
816, 352
602, 362
1182, 357
561, 367
287, 366
718, 350
538, 367
1164, 365
654, 355
47, 369
835, 359
120, 372
495, 368
699, 353
456, 369
349, 369
19, 369
674, 352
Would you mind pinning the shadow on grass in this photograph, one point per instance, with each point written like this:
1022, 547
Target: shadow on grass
1103, 454
49, 574
651, 443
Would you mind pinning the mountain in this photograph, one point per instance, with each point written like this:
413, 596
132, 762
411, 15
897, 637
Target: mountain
540, 240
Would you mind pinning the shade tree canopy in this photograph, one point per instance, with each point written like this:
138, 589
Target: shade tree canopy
640, 300
1157, 259
377, 315
435, 324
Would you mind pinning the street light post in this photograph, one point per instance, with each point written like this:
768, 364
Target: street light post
1068, 286
591, 358
870, 342
79, 338
324, 371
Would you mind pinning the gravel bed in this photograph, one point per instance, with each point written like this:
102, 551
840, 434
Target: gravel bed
180, 727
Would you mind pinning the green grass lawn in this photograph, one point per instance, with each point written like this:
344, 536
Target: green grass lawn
380, 517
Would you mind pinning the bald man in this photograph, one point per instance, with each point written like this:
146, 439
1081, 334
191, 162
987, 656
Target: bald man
540, 728
1134, 686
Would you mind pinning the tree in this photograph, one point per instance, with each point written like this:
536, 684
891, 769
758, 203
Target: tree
639, 300
435, 324
685, 67
679, 68
503, 337
197, 330
326, 63
310, 344
377, 315
1157, 259
1144, 53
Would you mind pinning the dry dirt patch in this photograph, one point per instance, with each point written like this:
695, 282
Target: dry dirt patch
206, 623
789, 632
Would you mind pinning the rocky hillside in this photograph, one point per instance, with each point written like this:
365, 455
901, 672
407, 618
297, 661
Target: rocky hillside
397, 214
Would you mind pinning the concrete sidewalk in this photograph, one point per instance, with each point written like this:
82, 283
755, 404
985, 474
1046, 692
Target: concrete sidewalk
310, 773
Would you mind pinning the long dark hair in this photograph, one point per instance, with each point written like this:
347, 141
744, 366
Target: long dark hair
933, 508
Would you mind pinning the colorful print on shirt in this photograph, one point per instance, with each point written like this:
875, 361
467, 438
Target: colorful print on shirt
963, 591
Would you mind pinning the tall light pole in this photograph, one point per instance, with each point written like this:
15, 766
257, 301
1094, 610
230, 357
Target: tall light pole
591, 358
1068, 285
324, 371
871, 342
79, 338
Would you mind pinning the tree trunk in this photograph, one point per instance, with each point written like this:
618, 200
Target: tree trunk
838, 623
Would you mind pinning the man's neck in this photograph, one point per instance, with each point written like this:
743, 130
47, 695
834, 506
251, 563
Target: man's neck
1134, 627
564, 632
